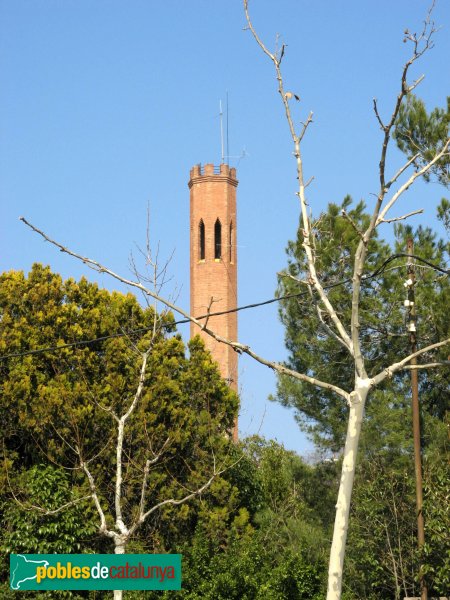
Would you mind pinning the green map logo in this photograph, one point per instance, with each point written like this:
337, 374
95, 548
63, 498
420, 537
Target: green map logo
95, 572
24, 570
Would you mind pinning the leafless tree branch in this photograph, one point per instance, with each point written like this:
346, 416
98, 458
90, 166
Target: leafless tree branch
389, 371
237, 346
403, 217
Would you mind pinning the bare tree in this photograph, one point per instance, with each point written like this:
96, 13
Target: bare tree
347, 334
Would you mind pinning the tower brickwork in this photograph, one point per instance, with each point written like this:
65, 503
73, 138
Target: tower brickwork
213, 260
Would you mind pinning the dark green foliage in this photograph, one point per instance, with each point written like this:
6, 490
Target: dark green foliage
277, 552
419, 132
311, 349
27, 530
436, 555
382, 319
381, 550
251, 570
444, 213
382, 559
275, 549
6, 593
55, 402
30, 531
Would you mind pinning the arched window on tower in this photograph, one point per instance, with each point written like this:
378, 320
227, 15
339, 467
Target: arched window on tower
230, 245
201, 239
217, 240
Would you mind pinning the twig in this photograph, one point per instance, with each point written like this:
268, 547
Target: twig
411, 180
402, 218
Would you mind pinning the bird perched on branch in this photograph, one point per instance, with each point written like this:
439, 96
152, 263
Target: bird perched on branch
290, 95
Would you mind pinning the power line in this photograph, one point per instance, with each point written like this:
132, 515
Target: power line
377, 272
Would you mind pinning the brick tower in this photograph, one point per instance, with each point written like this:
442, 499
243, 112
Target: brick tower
214, 261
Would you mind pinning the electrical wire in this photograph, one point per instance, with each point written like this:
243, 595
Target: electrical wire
172, 324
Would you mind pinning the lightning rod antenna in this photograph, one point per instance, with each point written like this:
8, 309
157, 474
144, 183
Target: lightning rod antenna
228, 138
221, 129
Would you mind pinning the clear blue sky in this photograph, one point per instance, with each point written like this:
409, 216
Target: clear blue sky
106, 104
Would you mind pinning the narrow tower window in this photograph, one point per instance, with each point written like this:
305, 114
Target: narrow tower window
201, 237
230, 245
217, 240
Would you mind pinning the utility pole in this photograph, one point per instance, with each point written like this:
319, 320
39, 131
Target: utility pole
410, 303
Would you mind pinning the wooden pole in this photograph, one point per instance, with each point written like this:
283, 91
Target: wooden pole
415, 411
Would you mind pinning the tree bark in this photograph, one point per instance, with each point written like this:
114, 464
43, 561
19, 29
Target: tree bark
336, 564
119, 549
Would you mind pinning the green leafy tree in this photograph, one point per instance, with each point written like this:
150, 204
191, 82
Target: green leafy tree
33, 528
319, 411
270, 546
421, 135
436, 552
134, 418
272, 549
30, 527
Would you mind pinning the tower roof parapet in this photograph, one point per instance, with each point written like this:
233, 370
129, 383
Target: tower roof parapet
211, 172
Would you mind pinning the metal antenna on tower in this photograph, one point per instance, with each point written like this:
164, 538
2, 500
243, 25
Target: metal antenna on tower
227, 155
228, 139
221, 129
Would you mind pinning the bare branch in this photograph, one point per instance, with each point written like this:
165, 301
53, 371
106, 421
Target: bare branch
297, 139
258, 39
103, 528
402, 170
283, 370
46, 512
43, 511
426, 366
30, 507
325, 325
421, 44
308, 122
403, 217
327, 328
148, 464
208, 311
360, 255
296, 279
119, 448
173, 502
443, 152
389, 371
416, 83
377, 114
238, 347
310, 180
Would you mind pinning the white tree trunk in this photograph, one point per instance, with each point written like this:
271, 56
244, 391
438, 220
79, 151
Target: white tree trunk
119, 549
336, 564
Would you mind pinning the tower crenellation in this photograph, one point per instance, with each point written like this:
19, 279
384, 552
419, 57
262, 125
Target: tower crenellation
209, 169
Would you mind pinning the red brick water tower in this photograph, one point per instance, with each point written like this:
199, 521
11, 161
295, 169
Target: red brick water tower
214, 261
